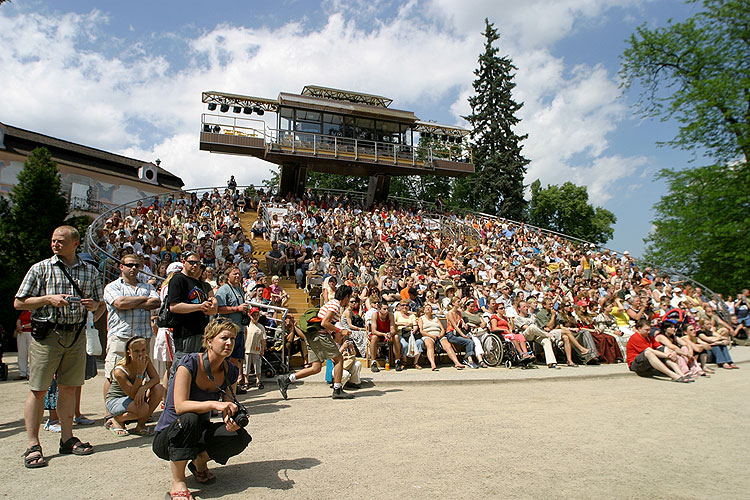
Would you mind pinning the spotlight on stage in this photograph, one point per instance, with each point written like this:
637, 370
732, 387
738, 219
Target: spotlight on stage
247, 110
224, 108
211, 106
237, 109
258, 110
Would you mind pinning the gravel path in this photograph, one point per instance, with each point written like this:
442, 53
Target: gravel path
574, 436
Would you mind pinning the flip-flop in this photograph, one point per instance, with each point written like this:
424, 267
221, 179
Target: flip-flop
145, 432
119, 432
203, 477
179, 495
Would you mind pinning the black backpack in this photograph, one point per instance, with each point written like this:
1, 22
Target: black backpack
166, 319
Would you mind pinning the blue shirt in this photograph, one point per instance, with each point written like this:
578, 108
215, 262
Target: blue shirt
191, 361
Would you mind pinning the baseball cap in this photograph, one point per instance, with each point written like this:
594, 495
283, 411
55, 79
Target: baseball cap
174, 267
254, 310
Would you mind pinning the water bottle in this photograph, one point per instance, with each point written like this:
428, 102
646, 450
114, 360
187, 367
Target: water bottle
387, 363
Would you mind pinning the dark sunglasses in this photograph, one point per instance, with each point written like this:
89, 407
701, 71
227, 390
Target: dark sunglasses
130, 265
193, 262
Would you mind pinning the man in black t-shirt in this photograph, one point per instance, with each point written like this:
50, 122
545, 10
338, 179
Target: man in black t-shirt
191, 305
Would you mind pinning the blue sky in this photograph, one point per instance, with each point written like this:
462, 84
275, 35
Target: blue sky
127, 77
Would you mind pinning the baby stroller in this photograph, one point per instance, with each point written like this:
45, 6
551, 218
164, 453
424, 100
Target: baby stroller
498, 350
273, 361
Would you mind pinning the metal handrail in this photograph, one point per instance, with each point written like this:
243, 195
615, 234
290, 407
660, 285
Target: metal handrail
333, 145
107, 259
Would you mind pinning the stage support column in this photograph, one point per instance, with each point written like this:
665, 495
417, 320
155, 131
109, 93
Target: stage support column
378, 188
293, 179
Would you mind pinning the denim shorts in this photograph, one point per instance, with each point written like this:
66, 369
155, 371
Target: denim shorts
118, 406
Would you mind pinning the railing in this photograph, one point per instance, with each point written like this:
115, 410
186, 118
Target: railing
333, 146
108, 263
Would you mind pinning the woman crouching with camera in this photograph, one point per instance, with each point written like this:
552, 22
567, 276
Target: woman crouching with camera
185, 434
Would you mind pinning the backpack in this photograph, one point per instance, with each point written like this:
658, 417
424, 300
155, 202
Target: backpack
166, 319
309, 322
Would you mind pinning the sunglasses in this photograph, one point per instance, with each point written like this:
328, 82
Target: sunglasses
193, 262
130, 265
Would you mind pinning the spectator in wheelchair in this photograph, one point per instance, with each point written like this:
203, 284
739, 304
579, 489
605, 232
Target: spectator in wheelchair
500, 325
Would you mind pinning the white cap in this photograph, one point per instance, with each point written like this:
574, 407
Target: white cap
174, 267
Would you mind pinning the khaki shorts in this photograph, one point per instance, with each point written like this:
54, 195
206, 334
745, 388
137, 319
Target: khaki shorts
115, 353
48, 357
321, 347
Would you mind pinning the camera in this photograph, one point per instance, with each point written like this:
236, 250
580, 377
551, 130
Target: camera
72, 298
240, 416
245, 319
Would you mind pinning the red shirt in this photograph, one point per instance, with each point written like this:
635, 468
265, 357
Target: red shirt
637, 344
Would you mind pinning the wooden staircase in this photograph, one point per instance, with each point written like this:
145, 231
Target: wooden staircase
297, 298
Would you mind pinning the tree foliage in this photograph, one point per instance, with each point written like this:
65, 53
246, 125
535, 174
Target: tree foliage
701, 226
566, 209
497, 186
27, 221
697, 72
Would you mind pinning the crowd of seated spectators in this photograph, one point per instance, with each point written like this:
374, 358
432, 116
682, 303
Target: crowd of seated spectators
587, 299
392, 253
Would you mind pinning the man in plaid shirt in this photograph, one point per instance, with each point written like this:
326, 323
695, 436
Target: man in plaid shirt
48, 293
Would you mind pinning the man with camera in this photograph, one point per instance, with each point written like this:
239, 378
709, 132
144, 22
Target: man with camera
231, 305
191, 306
59, 291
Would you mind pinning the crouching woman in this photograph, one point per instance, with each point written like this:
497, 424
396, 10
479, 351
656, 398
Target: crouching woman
185, 434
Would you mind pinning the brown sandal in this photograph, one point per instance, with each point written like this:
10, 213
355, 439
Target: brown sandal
36, 461
202, 476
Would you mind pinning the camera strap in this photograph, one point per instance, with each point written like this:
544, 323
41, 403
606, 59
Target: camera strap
79, 292
210, 375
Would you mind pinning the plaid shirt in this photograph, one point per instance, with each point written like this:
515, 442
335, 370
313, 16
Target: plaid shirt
46, 278
127, 323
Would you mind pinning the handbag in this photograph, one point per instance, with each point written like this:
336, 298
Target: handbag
93, 344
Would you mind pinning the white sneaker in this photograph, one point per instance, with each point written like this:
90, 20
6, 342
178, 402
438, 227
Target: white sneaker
52, 426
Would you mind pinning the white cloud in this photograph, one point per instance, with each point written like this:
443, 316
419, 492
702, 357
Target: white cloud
60, 80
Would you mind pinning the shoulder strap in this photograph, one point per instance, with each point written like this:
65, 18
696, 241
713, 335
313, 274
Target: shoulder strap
70, 278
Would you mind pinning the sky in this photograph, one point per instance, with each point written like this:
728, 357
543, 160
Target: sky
127, 77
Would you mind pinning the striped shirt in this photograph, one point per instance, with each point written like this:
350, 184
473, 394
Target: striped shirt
127, 323
332, 305
46, 278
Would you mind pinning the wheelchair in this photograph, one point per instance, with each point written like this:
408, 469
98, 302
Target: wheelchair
498, 350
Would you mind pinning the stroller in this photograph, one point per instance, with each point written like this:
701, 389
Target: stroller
275, 360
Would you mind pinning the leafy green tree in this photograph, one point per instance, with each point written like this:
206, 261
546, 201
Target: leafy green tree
27, 221
701, 226
497, 186
697, 72
566, 209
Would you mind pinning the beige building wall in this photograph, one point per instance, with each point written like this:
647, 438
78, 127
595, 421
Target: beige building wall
106, 188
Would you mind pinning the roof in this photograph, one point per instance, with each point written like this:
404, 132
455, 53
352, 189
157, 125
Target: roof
345, 107
23, 141
346, 95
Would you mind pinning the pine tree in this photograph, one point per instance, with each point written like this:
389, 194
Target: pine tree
27, 221
497, 186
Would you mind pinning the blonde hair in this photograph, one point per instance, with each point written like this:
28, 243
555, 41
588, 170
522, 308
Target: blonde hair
215, 327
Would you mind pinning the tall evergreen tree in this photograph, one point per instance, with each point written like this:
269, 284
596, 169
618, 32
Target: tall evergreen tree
35, 209
497, 186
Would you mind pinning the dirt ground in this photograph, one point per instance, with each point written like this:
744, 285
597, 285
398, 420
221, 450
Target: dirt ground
617, 437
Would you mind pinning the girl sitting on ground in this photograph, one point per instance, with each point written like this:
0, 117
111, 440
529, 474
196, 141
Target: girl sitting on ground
135, 391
